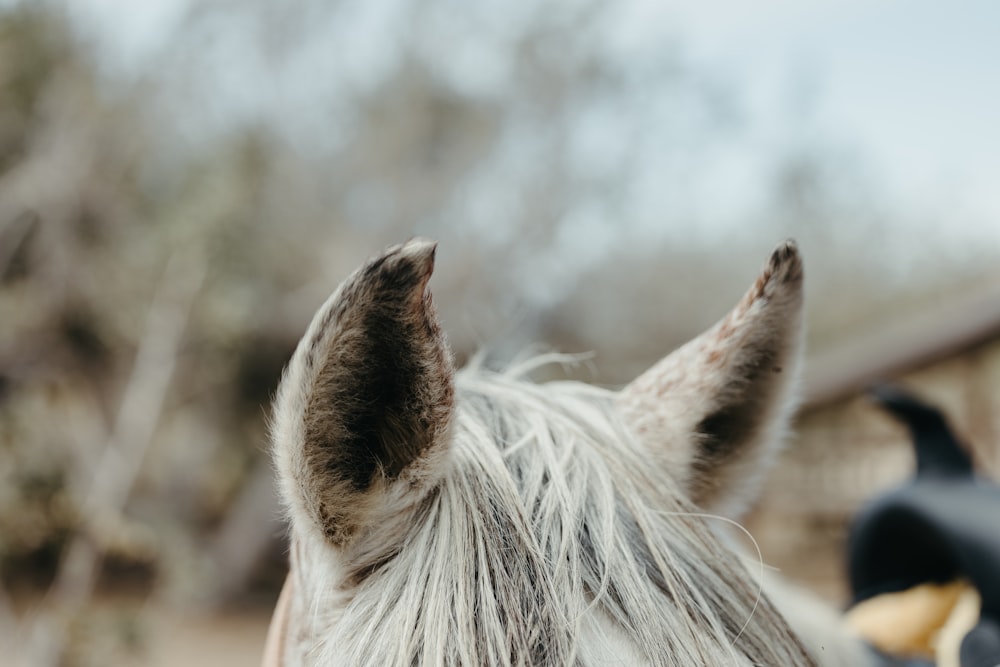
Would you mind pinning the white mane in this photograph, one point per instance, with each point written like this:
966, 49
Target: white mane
477, 518
546, 528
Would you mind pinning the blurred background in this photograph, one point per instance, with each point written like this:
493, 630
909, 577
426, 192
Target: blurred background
183, 182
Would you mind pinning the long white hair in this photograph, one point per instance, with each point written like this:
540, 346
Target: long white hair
477, 518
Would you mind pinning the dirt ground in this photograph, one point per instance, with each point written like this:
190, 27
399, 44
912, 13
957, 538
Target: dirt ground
203, 641
163, 637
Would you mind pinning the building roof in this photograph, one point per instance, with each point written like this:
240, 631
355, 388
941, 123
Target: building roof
903, 345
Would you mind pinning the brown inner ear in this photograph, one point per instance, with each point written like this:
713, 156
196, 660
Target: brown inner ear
374, 401
385, 428
741, 415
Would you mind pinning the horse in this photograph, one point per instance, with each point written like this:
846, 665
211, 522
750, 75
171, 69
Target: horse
474, 517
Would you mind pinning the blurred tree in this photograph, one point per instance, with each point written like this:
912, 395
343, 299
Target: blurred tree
562, 162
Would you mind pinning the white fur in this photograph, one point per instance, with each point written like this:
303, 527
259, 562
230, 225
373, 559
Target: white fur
551, 524
569, 461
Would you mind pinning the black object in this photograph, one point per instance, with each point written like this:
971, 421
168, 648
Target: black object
942, 525
981, 647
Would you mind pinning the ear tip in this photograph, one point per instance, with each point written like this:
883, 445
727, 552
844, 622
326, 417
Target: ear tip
421, 251
785, 263
401, 271
786, 252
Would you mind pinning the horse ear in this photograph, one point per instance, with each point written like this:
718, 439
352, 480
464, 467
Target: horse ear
367, 398
713, 412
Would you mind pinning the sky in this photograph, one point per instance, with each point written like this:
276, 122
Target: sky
911, 85
914, 84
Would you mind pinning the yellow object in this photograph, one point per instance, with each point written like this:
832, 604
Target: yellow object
963, 618
927, 621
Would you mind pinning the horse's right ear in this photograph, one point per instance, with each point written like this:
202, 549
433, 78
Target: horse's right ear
712, 413
367, 398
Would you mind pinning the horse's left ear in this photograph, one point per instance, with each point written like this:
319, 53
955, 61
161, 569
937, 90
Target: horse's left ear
713, 413
362, 415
